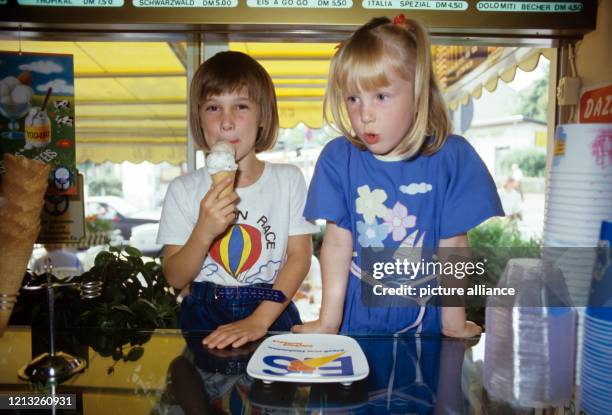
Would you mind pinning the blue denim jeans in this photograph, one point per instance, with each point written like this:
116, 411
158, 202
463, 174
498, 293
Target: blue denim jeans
201, 311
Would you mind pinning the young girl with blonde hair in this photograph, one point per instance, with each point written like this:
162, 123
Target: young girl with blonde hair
396, 179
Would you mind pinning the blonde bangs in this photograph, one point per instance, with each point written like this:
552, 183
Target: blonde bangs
362, 73
363, 64
359, 67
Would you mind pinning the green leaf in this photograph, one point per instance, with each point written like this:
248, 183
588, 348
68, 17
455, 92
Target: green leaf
152, 266
145, 310
134, 354
103, 258
136, 264
124, 308
133, 252
140, 337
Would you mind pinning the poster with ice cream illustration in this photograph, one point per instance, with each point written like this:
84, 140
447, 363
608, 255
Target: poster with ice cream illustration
37, 113
309, 358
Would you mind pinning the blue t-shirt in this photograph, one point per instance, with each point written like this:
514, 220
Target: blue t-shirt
386, 202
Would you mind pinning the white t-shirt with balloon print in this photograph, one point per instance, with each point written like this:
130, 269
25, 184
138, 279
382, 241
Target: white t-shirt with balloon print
253, 250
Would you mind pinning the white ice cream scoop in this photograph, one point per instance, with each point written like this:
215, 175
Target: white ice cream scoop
222, 157
22, 94
11, 82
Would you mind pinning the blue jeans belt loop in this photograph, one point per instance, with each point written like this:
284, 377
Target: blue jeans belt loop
255, 293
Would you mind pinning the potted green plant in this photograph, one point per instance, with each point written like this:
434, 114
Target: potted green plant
135, 299
135, 296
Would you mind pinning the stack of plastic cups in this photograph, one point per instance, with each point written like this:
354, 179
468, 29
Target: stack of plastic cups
529, 346
596, 376
578, 199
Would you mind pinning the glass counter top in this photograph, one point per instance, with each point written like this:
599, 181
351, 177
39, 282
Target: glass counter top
168, 372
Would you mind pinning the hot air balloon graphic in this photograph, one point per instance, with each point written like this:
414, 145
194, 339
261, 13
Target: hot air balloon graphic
238, 249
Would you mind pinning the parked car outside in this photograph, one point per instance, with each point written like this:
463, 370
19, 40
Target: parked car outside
144, 237
122, 214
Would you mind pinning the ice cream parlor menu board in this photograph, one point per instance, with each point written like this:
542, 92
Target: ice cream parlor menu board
37, 121
37, 113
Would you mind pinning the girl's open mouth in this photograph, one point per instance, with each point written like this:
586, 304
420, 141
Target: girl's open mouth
371, 138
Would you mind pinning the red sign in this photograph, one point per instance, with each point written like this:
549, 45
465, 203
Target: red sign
596, 105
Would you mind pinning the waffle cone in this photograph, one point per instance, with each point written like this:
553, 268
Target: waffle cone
23, 167
222, 175
26, 184
14, 257
28, 213
13, 263
5, 316
18, 227
13, 234
22, 197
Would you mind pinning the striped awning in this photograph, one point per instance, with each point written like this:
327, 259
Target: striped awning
131, 97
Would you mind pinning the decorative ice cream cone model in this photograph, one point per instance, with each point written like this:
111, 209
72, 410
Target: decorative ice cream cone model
22, 198
14, 259
221, 164
16, 166
28, 189
24, 186
14, 228
14, 256
27, 210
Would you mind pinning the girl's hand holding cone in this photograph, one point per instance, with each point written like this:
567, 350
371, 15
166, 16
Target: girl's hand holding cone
216, 212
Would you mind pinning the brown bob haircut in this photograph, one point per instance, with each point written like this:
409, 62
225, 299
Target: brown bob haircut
228, 72
361, 64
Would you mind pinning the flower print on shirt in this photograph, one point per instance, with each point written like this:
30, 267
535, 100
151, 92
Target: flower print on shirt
371, 234
370, 203
399, 221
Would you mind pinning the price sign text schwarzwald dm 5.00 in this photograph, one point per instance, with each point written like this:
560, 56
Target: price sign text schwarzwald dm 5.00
481, 6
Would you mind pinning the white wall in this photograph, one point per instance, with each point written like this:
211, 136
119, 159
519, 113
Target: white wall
486, 139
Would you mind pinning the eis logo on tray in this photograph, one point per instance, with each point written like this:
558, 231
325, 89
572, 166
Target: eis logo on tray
328, 365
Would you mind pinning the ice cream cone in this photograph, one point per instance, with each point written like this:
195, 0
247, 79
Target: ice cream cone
221, 164
29, 211
24, 175
14, 259
18, 226
20, 196
14, 233
13, 268
5, 316
222, 175
35, 185
17, 165
24, 186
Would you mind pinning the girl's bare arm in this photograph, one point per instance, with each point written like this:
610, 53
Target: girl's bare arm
336, 256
